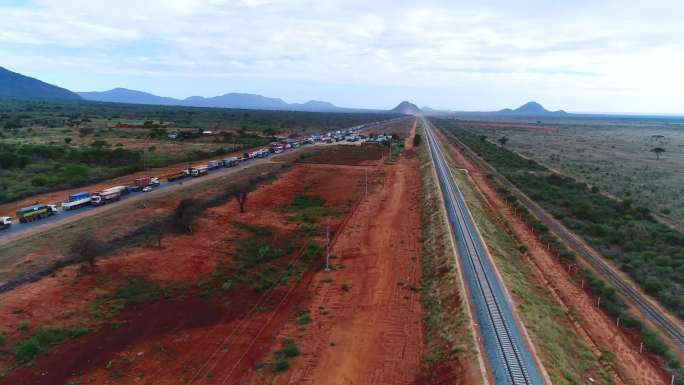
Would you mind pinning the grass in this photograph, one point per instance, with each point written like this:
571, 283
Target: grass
303, 317
615, 157
26, 350
282, 356
134, 291
649, 252
564, 355
309, 209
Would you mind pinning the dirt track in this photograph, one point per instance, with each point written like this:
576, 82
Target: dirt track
595, 327
370, 333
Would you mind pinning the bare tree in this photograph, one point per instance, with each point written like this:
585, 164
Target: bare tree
241, 193
86, 248
658, 151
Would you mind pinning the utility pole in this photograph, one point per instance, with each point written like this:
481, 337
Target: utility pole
366, 188
327, 248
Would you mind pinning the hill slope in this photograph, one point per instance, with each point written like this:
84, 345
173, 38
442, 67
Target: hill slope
531, 109
406, 108
15, 85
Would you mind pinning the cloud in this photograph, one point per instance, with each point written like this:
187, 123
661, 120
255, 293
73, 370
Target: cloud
575, 45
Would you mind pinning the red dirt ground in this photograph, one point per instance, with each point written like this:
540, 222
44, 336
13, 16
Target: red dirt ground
171, 341
371, 334
597, 329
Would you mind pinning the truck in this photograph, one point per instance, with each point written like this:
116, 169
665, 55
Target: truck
199, 171
109, 195
213, 164
5, 223
36, 212
141, 183
76, 200
177, 175
231, 162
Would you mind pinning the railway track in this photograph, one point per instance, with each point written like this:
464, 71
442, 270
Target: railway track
507, 353
651, 312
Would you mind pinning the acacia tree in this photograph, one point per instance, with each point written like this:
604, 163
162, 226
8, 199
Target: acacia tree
241, 192
502, 140
185, 213
658, 151
86, 248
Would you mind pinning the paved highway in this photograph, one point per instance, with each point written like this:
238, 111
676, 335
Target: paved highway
19, 230
508, 354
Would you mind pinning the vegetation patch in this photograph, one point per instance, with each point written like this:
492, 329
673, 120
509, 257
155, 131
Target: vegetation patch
26, 350
611, 229
281, 357
650, 252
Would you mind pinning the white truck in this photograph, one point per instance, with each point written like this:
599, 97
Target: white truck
5, 223
111, 194
199, 171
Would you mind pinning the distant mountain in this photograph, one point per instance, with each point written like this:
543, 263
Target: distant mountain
316, 105
434, 111
531, 109
230, 100
406, 108
238, 100
123, 95
18, 86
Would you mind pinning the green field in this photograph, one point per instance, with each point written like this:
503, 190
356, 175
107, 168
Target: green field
614, 156
46, 146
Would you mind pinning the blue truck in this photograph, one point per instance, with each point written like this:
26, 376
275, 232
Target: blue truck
77, 200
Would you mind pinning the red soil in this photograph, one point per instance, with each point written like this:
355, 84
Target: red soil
595, 327
173, 341
372, 332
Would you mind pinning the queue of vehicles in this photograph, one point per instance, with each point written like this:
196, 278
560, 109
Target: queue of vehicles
145, 184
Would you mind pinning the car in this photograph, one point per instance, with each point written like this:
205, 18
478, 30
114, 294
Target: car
147, 189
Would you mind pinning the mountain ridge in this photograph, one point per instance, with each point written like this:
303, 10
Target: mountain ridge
16, 85
228, 100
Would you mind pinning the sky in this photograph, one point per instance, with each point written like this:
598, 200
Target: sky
580, 55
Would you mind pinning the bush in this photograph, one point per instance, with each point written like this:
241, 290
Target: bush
281, 366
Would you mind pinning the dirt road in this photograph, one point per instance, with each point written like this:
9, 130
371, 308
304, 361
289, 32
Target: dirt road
366, 313
598, 331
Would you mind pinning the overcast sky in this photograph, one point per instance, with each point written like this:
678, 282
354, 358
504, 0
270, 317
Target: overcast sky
580, 55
